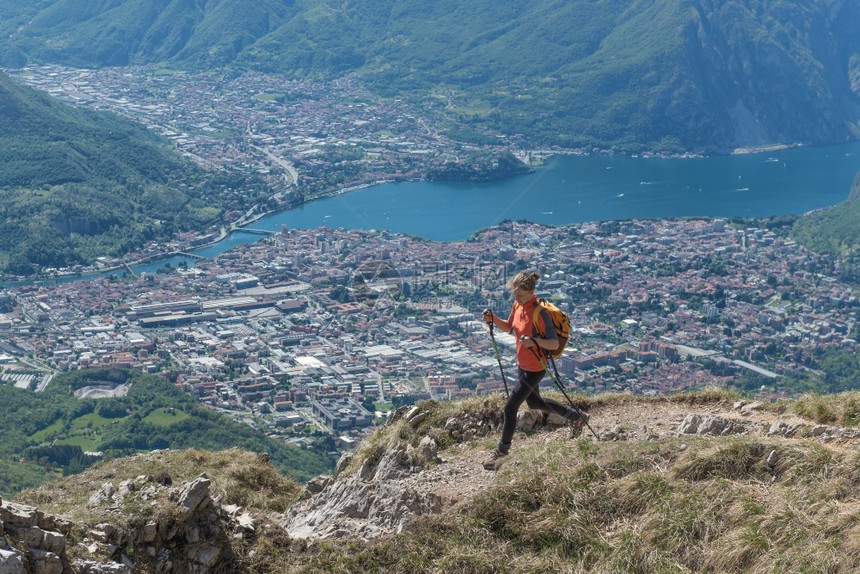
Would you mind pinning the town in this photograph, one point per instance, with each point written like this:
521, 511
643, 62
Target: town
326, 330
303, 139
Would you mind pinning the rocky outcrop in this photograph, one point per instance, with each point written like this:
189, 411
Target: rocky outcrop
368, 504
390, 488
32, 542
707, 425
190, 536
191, 533
715, 426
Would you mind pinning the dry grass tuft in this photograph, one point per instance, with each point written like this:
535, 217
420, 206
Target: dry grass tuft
842, 409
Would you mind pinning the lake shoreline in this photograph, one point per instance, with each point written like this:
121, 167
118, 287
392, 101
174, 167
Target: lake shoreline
593, 171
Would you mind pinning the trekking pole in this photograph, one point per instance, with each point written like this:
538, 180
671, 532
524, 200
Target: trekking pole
558, 384
498, 357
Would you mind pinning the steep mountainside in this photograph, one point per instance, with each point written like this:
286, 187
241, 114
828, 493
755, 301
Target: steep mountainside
692, 483
75, 184
633, 74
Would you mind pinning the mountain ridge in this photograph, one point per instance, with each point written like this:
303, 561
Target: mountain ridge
696, 482
696, 75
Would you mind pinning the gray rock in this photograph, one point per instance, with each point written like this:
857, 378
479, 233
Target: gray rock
11, 562
394, 464
616, 433
782, 428
206, 555
717, 426
44, 562
35, 537
18, 515
428, 449
192, 494
528, 419
150, 532
246, 522
102, 496
343, 462
90, 567
748, 409
365, 505
317, 484
126, 487
417, 419
103, 532
411, 413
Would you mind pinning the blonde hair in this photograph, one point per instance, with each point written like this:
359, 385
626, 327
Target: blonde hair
524, 281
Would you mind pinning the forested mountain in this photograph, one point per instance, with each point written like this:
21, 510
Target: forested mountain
76, 184
631, 74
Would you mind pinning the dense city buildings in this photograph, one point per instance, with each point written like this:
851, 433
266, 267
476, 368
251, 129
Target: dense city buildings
315, 330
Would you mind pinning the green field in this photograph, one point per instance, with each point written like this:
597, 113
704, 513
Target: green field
160, 417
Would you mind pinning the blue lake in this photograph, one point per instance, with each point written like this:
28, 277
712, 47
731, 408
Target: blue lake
570, 189
575, 189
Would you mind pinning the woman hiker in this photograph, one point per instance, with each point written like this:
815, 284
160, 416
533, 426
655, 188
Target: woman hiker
529, 345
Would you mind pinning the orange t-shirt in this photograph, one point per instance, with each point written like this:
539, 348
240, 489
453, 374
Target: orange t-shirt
521, 324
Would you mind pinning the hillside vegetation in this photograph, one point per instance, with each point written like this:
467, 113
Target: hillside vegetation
630, 74
77, 184
48, 434
834, 232
647, 500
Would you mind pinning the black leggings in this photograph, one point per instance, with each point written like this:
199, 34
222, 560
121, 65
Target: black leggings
526, 390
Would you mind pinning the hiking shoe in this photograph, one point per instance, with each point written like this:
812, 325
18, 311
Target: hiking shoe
577, 424
494, 460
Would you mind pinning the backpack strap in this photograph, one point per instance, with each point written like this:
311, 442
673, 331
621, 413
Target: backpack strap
535, 316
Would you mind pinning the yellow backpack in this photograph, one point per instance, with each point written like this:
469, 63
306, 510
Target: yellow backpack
561, 322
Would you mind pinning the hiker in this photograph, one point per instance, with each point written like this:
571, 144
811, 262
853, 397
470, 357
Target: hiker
530, 347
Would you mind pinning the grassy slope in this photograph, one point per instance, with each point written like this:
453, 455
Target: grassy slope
671, 504
834, 230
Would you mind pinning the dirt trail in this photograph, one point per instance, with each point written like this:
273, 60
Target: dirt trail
460, 476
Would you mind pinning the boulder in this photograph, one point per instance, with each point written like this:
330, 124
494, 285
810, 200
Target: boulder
103, 495
18, 515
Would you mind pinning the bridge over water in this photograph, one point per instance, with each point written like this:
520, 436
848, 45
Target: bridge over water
255, 231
